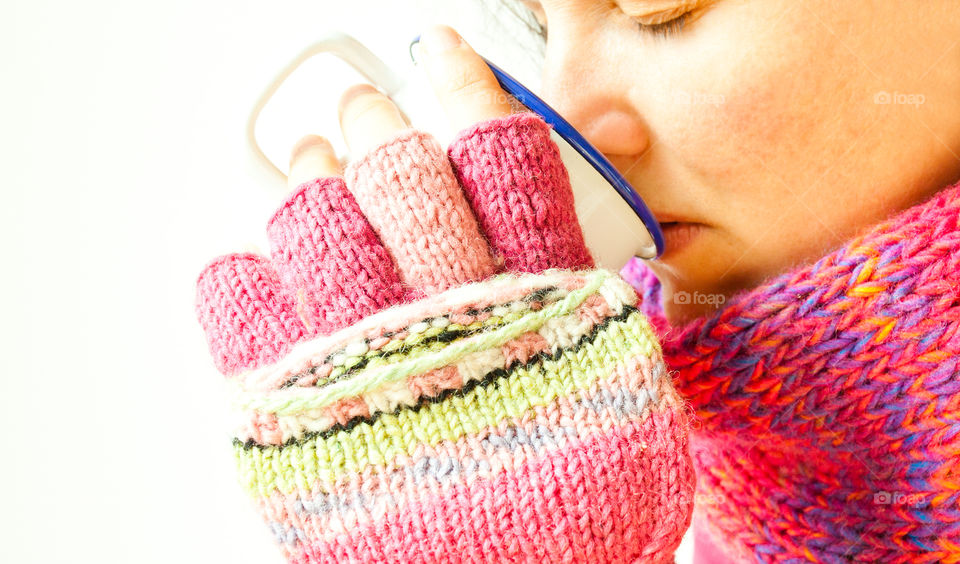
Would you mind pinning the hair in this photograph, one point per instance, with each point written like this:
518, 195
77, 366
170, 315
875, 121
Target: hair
518, 10
523, 54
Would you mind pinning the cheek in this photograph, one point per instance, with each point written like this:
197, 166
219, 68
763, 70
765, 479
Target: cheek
744, 116
764, 122
752, 147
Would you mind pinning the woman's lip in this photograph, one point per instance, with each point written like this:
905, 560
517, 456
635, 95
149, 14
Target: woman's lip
663, 217
679, 234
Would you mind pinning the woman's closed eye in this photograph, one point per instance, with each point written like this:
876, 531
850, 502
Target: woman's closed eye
660, 18
665, 28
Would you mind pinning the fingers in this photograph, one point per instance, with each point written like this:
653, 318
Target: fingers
368, 118
510, 169
403, 182
328, 256
516, 183
334, 250
312, 157
462, 81
408, 191
329, 259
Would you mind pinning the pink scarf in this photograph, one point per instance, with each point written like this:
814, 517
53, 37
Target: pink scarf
829, 400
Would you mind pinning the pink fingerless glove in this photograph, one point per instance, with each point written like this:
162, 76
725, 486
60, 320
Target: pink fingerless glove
429, 373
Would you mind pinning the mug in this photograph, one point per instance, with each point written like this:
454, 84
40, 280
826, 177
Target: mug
617, 225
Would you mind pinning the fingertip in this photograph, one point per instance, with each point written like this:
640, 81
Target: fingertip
310, 142
353, 92
439, 39
368, 117
312, 157
461, 79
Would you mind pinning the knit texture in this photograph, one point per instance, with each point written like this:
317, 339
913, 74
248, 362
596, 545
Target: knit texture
829, 400
411, 197
513, 176
524, 419
327, 270
388, 412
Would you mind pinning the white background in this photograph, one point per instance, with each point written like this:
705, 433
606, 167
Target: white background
124, 169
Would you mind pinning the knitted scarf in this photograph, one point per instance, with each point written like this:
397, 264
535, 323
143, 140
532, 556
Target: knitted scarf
829, 400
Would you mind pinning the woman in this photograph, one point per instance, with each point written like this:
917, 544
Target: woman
800, 156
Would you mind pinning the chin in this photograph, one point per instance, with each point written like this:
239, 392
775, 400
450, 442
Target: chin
682, 313
695, 278
683, 302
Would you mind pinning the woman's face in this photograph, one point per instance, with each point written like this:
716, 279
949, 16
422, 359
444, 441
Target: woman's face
777, 128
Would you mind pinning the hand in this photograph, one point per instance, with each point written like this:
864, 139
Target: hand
398, 404
403, 221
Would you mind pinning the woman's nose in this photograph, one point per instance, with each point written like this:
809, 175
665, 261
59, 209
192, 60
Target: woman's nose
593, 97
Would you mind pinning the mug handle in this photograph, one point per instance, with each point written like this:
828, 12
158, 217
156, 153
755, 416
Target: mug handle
347, 49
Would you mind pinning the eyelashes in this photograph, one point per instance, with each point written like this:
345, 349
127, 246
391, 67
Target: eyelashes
665, 29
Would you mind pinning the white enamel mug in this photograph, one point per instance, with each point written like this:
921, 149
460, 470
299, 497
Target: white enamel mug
616, 224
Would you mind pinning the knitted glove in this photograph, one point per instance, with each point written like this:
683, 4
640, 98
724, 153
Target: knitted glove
424, 373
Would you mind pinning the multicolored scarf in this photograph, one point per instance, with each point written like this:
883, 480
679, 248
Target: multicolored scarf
829, 400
